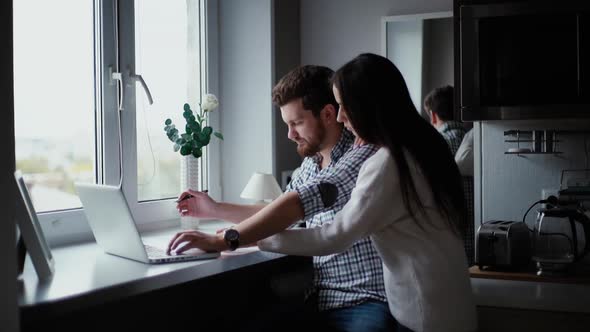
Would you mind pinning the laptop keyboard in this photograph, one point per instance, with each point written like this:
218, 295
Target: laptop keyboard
155, 252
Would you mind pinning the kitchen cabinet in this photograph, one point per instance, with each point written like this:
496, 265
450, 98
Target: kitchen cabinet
523, 60
492, 319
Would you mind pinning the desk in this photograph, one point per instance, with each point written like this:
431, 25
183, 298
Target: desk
91, 288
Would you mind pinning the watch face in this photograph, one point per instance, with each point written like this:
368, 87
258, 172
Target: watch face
231, 235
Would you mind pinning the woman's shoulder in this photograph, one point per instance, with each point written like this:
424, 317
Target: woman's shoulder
380, 162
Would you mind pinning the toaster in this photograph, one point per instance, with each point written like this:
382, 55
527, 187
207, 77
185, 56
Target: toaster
502, 244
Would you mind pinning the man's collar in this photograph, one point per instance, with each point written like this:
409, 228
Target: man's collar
342, 146
450, 125
344, 143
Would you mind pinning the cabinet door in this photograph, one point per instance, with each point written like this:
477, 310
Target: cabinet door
584, 40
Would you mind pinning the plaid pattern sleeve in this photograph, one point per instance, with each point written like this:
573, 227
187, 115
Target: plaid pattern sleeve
342, 177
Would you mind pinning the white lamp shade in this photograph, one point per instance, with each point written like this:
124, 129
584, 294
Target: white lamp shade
261, 186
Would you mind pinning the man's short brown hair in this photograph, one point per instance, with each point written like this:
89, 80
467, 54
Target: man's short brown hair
310, 83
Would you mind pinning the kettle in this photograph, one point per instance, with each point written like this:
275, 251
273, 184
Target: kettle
561, 238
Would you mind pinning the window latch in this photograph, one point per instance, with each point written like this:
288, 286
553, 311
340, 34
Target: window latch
117, 76
139, 78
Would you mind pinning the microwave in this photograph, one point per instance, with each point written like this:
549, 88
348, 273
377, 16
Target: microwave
524, 60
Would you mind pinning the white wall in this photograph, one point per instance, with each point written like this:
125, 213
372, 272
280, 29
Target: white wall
335, 31
245, 83
511, 183
404, 48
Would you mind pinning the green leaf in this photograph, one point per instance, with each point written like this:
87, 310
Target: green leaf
186, 137
191, 117
196, 144
187, 107
207, 130
168, 122
180, 141
195, 127
197, 153
188, 129
176, 147
187, 114
218, 135
185, 150
204, 139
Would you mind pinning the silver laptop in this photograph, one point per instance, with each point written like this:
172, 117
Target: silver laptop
114, 229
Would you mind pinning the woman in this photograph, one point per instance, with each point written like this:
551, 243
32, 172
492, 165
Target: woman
408, 198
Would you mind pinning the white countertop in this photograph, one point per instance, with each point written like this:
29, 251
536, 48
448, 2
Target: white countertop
85, 274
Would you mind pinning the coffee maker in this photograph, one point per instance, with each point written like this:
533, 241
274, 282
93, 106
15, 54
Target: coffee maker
561, 236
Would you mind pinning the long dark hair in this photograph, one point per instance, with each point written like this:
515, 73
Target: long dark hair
378, 104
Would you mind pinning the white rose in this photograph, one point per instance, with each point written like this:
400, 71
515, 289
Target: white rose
210, 103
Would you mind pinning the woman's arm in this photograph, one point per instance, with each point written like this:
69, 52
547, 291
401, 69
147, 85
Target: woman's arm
273, 218
375, 202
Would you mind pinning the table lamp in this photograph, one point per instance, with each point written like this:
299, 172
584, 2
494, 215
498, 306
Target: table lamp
262, 188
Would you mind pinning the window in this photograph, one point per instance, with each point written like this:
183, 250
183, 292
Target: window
166, 57
67, 98
54, 124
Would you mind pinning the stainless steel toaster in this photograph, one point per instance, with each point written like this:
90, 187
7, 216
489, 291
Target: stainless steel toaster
503, 244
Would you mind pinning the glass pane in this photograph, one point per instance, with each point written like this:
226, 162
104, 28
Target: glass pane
167, 56
54, 98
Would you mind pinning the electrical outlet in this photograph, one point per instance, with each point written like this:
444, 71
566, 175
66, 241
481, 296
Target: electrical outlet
546, 192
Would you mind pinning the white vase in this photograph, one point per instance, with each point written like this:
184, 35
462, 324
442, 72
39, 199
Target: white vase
189, 179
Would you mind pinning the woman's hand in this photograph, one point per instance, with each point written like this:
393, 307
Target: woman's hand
186, 240
196, 204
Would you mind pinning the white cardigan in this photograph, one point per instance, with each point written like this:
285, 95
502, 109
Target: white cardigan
425, 270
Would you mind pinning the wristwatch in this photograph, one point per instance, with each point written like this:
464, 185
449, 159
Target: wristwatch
232, 238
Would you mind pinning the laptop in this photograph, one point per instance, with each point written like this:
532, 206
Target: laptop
114, 229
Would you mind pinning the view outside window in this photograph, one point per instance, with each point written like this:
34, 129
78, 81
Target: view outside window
54, 98
167, 56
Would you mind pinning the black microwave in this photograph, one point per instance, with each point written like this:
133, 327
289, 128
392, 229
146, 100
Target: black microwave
524, 60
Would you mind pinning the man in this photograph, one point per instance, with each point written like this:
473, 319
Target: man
438, 104
349, 287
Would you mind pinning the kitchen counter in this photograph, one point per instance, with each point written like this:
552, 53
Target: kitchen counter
528, 275
526, 290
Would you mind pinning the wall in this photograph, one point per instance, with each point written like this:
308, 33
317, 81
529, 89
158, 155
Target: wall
287, 55
8, 305
335, 31
245, 82
438, 54
405, 43
511, 183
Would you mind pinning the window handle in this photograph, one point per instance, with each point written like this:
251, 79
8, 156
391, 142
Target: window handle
117, 76
136, 78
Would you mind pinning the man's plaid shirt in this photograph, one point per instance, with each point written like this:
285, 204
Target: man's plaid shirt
355, 275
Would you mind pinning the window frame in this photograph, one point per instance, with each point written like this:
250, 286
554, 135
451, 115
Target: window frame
116, 53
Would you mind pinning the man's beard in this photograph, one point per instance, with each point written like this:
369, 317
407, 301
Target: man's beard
311, 148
